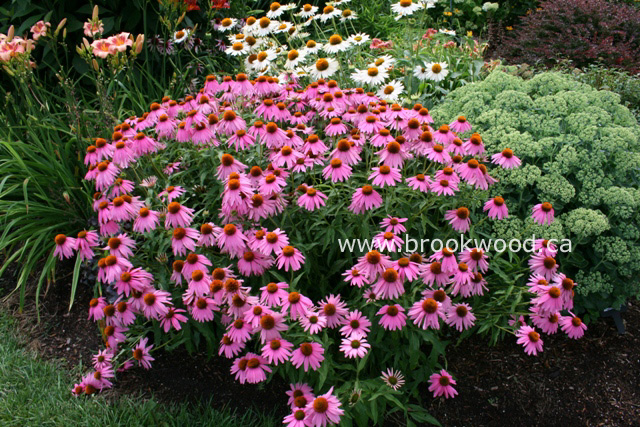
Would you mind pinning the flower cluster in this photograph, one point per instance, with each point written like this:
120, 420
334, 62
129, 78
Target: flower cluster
274, 155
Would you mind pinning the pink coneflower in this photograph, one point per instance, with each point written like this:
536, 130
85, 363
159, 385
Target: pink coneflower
543, 213
419, 182
178, 216
184, 239
102, 359
447, 258
497, 208
506, 159
387, 241
393, 155
476, 259
407, 269
124, 314
295, 419
155, 304
355, 323
240, 330
142, 354
442, 384
277, 351
393, 317
444, 187
271, 183
385, 175
290, 258
574, 327
462, 277
364, 199
545, 247
309, 354
287, 157
229, 347
474, 145
373, 263
110, 269
438, 154
232, 240
394, 224
389, 285
549, 299
334, 310
103, 375
230, 123
460, 316
530, 340
444, 135
460, 125
171, 192
298, 305
355, 346
274, 137
203, 308
241, 140
335, 127
274, 294
313, 322
299, 395
274, 241
136, 279
228, 165
64, 246
96, 308
427, 313
207, 235
173, 319
270, 326
393, 378
543, 265
337, 170
114, 335
355, 277
548, 322
256, 369
459, 219
254, 263
312, 199
323, 409
199, 283
433, 273
120, 246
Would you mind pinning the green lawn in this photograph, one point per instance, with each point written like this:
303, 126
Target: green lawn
36, 392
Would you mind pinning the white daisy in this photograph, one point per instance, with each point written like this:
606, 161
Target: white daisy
336, 44
298, 33
237, 49
420, 71
428, 4
359, 38
227, 24
282, 27
309, 21
253, 43
236, 37
329, 12
372, 76
405, 8
264, 59
312, 47
449, 32
384, 61
307, 11
250, 25
437, 71
264, 27
347, 15
391, 91
250, 62
275, 10
289, 6
323, 68
294, 58
181, 35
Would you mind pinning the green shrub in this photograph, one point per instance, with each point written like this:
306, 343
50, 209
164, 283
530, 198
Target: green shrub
581, 151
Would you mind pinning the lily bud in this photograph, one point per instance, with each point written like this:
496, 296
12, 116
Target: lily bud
60, 26
11, 33
95, 65
94, 17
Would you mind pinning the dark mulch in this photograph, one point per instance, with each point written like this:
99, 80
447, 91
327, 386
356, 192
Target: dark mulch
594, 381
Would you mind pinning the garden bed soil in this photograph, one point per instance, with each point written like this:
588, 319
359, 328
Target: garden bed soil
594, 381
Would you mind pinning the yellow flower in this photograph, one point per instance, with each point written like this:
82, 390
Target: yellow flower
469, 33
509, 28
447, 14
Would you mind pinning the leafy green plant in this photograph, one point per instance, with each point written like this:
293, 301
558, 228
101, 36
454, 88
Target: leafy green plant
582, 149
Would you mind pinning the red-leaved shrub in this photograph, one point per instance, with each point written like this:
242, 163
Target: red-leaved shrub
584, 31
